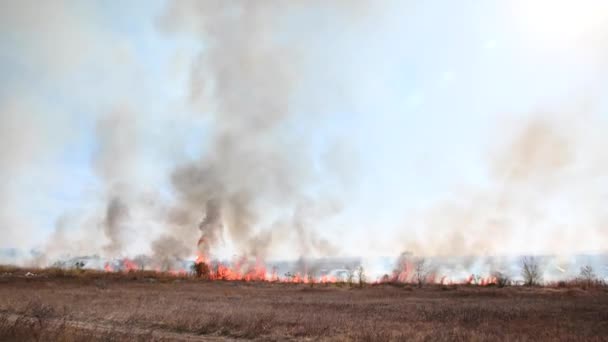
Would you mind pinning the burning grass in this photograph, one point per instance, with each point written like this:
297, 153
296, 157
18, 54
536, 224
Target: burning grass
83, 305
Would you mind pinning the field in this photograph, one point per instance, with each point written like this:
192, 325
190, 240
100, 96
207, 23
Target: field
93, 306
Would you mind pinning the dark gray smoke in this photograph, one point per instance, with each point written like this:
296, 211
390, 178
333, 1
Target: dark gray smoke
115, 164
113, 226
210, 227
167, 251
254, 167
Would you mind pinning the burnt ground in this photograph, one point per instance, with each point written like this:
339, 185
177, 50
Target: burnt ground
126, 308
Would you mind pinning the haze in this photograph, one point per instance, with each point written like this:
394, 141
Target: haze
303, 129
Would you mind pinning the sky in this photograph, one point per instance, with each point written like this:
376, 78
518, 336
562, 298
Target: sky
321, 128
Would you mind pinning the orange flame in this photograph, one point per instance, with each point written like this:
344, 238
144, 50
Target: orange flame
129, 265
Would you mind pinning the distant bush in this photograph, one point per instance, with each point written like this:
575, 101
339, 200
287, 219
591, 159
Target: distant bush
385, 279
502, 279
201, 270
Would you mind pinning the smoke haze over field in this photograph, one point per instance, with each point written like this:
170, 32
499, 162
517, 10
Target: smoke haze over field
280, 130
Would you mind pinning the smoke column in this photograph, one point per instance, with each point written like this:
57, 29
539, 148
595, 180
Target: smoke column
301, 129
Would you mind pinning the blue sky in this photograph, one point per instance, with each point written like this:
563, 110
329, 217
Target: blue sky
412, 101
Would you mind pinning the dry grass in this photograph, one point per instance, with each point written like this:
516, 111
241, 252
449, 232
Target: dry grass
94, 306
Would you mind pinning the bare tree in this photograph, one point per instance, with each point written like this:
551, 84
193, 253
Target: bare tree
361, 276
587, 275
350, 276
530, 271
421, 271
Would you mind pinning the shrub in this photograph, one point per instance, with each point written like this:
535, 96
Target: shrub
502, 279
201, 269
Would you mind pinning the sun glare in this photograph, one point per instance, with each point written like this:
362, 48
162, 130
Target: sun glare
561, 23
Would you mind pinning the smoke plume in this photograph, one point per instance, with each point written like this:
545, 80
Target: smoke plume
116, 213
276, 129
253, 169
540, 196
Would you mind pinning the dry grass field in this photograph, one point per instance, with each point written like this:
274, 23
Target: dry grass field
91, 306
